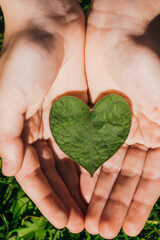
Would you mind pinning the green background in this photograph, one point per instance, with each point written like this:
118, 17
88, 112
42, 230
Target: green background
20, 218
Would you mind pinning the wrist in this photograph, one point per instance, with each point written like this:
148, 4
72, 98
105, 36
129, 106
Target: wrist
129, 16
139, 9
19, 14
16, 15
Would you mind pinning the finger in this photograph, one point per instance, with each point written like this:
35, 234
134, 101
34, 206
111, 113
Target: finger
76, 218
122, 193
146, 195
36, 186
88, 183
11, 152
68, 172
107, 177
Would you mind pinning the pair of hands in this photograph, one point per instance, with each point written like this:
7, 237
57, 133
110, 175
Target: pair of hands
39, 64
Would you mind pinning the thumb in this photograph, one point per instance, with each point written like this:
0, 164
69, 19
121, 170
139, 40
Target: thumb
11, 152
11, 110
11, 125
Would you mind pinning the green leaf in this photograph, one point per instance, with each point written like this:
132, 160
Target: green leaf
90, 136
21, 205
36, 229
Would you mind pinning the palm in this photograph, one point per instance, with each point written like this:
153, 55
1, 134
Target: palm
130, 68
141, 85
42, 65
52, 68
117, 61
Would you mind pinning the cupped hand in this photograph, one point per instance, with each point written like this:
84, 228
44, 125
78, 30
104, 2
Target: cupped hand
42, 58
122, 57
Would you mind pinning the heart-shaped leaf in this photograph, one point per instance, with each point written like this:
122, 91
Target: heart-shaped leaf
90, 136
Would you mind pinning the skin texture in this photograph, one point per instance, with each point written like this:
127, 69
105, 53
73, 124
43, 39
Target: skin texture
122, 55
37, 65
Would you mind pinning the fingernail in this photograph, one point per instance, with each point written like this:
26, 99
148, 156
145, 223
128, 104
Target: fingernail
7, 167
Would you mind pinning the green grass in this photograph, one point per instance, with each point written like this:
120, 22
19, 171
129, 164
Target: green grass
20, 218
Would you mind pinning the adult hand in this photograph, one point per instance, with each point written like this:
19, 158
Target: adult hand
122, 57
42, 58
